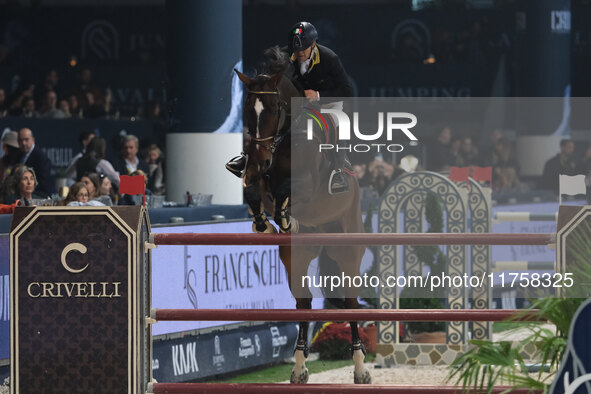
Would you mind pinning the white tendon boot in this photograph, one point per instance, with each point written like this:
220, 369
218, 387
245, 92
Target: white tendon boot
299, 373
361, 374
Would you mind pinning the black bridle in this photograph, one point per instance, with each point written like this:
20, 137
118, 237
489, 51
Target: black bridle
282, 126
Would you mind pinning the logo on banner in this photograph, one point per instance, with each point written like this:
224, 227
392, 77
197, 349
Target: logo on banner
390, 123
246, 348
100, 39
560, 21
184, 359
73, 289
277, 340
257, 345
190, 285
218, 358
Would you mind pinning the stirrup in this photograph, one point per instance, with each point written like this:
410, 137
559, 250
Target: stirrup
336, 187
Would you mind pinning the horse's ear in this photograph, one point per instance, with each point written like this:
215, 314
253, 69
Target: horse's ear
275, 79
247, 81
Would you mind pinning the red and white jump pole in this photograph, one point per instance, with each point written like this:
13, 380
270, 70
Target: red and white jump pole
353, 239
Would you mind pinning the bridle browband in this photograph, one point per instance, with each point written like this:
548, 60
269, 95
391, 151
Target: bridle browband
278, 136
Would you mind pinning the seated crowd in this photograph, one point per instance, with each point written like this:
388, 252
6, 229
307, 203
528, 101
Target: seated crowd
92, 180
50, 98
448, 150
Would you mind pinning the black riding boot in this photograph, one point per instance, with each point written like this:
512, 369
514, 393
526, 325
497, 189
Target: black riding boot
337, 182
237, 165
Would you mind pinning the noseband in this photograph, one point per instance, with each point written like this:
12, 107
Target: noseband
278, 136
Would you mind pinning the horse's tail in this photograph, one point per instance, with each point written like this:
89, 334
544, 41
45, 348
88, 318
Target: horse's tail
328, 268
277, 61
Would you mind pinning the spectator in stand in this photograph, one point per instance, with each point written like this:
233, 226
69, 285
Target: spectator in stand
84, 139
28, 109
505, 167
129, 162
11, 153
440, 156
381, 173
93, 183
506, 181
32, 156
455, 147
79, 196
24, 183
3, 103
49, 109
84, 86
75, 109
155, 162
110, 111
95, 107
106, 189
503, 155
24, 92
78, 192
64, 106
94, 161
561, 164
487, 148
468, 153
50, 84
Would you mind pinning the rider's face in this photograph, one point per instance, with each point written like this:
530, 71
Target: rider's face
302, 56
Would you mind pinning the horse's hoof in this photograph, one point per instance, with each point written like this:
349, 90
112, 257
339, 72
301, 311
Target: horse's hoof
270, 229
362, 378
300, 377
292, 227
266, 227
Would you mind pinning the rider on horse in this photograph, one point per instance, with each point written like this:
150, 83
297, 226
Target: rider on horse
318, 72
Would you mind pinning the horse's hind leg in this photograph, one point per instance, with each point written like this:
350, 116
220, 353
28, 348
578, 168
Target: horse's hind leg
349, 261
296, 263
361, 374
299, 373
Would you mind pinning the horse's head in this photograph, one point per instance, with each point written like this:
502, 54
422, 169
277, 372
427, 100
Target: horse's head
266, 113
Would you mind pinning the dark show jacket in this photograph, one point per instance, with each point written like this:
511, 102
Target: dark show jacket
325, 74
42, 167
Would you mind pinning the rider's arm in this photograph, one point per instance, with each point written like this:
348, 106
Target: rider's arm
342, 86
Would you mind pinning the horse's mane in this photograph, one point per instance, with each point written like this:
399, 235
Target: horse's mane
277, 61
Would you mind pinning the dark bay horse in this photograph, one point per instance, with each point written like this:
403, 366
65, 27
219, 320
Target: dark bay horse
270, 176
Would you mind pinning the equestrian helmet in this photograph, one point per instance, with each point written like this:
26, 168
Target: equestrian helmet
301, 36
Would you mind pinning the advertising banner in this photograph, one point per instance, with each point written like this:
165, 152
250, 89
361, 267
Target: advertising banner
226, 277
75, 299
194, 357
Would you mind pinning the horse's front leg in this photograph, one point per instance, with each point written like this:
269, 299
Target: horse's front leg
361, 374
282, 216
252, 195
299, 373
